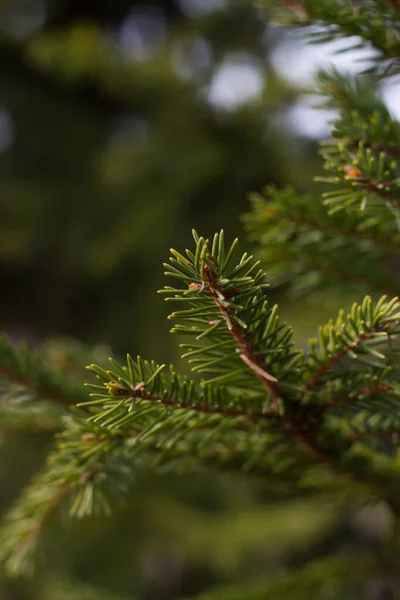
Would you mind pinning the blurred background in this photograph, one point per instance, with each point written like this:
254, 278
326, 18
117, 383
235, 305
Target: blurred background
123, 125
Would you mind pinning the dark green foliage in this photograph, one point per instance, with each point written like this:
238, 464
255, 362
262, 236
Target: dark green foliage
306, 247
237, 419
318, 426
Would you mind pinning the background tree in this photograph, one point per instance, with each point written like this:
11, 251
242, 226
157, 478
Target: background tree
113, 145
326, 421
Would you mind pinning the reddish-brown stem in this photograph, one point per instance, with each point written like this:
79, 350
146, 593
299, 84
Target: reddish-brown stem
245, 349
309, 443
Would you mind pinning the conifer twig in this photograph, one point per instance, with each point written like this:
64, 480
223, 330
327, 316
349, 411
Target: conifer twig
245, 349
331, 228
44, 391
140, 394
384, 386
307, 442
338, 356
20, 365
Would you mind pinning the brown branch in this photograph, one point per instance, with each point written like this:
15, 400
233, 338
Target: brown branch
308, 442
258, 370
246, 351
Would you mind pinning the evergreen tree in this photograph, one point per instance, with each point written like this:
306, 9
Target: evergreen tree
107, 133
317, 427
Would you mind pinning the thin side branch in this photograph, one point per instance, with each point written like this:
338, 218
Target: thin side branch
335, 358
308, 441
45, 392
250, 416
384, 386
247, 353
364, 235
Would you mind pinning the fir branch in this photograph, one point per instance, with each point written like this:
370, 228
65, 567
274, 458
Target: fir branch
20, 365
228, 306
23, 526
247, 352
23, 416
113, 415
304, 246
260, 407
361, 335
73, 466
388, 191
287, 423
143, 385
363, 151
333, 359
354, 335
250, 416
372, 21
92, 464
315, 270
141, 415
367, 391
332, 227
203, 283
42, 391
